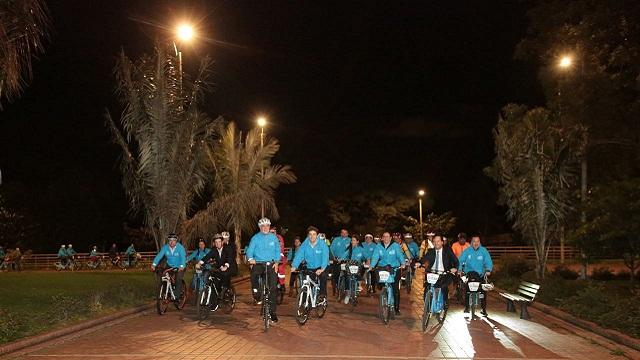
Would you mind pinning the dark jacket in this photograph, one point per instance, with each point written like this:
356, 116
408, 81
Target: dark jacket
219, 259
449, 259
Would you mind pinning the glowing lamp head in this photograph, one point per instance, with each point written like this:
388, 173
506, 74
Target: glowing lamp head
421, 193
185, 32
262, 121
565, 62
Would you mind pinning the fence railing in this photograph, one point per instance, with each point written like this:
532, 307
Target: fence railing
47, 261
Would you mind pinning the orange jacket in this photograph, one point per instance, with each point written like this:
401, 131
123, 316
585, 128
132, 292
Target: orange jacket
458, 249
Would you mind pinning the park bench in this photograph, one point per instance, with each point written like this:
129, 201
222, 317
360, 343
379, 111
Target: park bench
525, 296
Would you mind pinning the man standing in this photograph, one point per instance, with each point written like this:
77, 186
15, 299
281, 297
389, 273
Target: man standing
476, 263
438, 260
264, 247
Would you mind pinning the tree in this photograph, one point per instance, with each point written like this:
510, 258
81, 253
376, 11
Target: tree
164, 138
243, 178
24, 28
535, 167
15, 228
613, 223
439, 224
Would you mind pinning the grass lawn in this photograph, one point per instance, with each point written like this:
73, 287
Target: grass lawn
33, 302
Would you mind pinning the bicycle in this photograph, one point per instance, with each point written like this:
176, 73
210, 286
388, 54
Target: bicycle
354, 268
212, 292
265, 294
433, 298
406, 280
386, 276
368, 281
460, 290
342, 280
166, 292
475, 296
98, 264
309, 297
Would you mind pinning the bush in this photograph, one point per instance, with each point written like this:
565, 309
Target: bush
515, 266
565, 272
602, 273
10, 327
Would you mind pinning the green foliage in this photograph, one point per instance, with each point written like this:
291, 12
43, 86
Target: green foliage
565, 272
602, 273
535, 168
10, 327
439, 224
24, 28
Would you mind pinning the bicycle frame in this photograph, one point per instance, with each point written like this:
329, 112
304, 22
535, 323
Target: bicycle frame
166, 279
312, 288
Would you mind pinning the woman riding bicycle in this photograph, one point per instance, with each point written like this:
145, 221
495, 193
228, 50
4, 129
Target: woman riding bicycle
358, 254
316, 255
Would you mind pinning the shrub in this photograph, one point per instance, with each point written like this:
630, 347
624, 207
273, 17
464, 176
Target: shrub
565, 272
64, 308
10, 327
515, 266
602, 273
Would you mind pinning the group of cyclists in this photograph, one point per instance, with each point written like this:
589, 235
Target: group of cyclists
321, 257
68, 256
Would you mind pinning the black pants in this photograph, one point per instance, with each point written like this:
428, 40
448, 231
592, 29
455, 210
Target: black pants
335, 275
396, 291
292, 278
256, 271
474, 276
225, 278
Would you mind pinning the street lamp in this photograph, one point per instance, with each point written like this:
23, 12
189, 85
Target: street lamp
262, 122
565, 62
185, 34
420, 195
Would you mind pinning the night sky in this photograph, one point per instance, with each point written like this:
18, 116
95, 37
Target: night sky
363, 96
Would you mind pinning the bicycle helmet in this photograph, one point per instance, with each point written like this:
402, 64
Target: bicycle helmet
225, 235
408, 236
368, 236
322, 236
264, 221
396, 234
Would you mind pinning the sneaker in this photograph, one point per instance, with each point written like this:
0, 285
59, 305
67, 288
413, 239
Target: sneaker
466, 310
274, 318
484, 312
346, 299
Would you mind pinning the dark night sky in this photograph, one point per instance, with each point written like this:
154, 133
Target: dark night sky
363, 96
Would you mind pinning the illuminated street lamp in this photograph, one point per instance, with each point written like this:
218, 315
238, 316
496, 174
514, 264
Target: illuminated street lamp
185, 34
420, 195
262, 122
565, 62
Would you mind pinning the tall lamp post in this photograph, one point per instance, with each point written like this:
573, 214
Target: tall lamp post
262, 122
184, 34
420, 195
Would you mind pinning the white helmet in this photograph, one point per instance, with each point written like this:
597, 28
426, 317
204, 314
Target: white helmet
264, 221
322, 236
225, 235
368, 236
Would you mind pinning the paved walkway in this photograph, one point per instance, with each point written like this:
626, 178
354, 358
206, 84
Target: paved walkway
341, 334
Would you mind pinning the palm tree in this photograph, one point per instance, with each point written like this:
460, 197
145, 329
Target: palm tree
243, 179
164, 138
536, 167
24, 28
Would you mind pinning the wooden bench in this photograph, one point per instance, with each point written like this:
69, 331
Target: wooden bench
525, 296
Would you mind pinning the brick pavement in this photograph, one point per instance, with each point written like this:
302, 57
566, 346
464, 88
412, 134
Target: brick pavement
341, 334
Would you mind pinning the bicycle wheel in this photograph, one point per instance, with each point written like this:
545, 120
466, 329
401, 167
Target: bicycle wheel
302, 309
183, 297
162, 303
198, 292
426, 313
321, 306
341, 287
353, 295
229, 300
369, 285
265, 313
383, 310
203, 303
472, 306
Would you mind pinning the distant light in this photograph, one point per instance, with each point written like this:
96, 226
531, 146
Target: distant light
421, 193
185, 32
565, 62
262, 121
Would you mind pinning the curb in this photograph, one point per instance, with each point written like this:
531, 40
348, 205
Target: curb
93, 325
610, 334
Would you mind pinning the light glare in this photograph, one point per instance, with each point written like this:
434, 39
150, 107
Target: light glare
185, 32
565, 62
262, 121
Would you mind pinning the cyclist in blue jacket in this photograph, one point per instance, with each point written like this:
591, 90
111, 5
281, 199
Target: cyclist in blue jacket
476, 263
176, 257
197, 255
389, 253
63, 255
315, 253
340, 251
264, 247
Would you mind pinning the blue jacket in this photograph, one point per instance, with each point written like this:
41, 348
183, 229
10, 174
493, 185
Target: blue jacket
71, 252
62, 253
475, 260
369, 249
177, 259
263, 248
198, 254
130, 250
359, 254
92, 253
292, 253
391, 255
414, 249
315, 256
339, 247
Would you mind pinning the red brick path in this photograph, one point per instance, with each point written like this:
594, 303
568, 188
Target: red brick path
341, 334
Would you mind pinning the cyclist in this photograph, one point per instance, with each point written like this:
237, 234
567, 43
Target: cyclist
426, 244
197, 255
315, 253
93, 255
290, 256
264, 247
222, 259
282, 268
176, 257
397, 238
130, 253
461, 245
356, 253
339, 250
63, 255
440, 259
476, 263
388, 253
369, 247
113, 254
413, 248
71, 252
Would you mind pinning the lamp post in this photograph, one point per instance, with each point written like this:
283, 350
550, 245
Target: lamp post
262, 122
420, 195
184, 34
